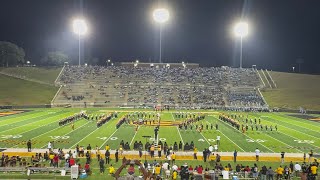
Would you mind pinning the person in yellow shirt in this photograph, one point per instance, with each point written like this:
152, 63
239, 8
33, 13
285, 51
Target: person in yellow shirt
226, 168
111, 170
279, 171
195, 151
313, 169
107, 147
174, 175
51, 156
152, 151
157, 170
173, 157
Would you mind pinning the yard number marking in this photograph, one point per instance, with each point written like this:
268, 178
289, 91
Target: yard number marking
11, 136
304, 141
257, 140
59, 137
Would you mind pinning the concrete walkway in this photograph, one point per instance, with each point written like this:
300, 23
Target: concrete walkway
180, 155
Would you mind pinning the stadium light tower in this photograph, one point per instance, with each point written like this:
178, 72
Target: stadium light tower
161, 16
241, 30
80, 28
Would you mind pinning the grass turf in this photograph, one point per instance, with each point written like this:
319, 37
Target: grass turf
41, 125
42, 74
15, 91
293, 91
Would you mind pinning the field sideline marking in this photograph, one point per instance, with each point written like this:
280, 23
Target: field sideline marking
134, 135
246, 135
293, 129
108, 138
229, 138
174, 119
32, 123
68, 133
180, 135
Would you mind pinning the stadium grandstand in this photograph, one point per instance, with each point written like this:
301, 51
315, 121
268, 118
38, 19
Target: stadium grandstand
156, 85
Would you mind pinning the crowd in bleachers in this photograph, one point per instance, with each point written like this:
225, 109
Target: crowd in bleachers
178, 87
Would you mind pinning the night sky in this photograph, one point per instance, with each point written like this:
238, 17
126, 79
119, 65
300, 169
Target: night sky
199, 31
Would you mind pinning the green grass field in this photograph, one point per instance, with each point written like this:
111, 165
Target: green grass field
41, 125
15, 91
41, 74
293, 91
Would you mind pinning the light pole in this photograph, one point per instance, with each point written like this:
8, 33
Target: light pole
108, 61
161, 16
241, 30
80, 28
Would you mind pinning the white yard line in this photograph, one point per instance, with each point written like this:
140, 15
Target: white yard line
231, 140
293, 130
29, 124
245, 135
174, 119
24, 132
108, 138
300, 123
67, 134
204, 138
17, 118
180, 135
228, 137
134, 136
297, 138
83, 138
42, 134
283, 143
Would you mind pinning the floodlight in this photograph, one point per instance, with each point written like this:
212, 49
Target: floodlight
109, 60
137, 61
241, 29
80, 26
161, 15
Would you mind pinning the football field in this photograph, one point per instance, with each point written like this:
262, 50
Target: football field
295, 133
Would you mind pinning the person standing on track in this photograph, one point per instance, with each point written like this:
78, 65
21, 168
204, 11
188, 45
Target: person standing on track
235, 154
117, 155
29, 145
257, 151
107, 156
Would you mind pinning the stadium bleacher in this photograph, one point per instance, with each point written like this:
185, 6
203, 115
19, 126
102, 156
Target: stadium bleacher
120, 86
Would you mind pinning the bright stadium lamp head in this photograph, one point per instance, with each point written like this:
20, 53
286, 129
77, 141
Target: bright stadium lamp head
161, 15
241, 29
80, 26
